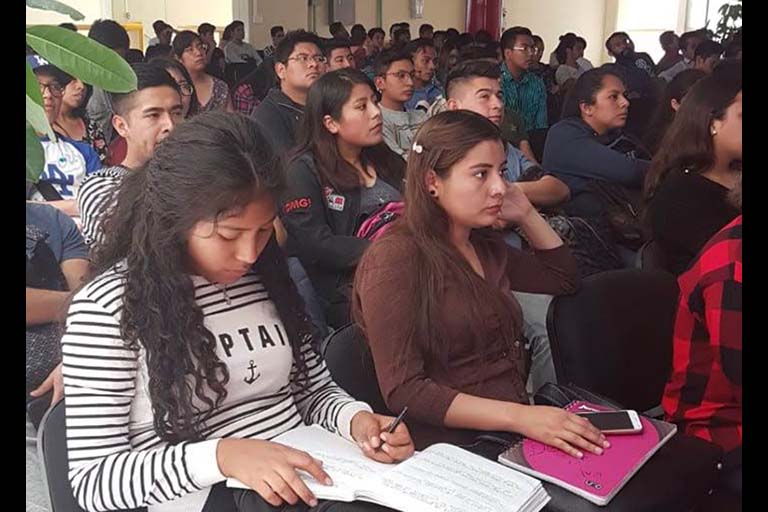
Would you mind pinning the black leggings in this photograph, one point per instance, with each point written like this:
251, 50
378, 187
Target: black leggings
225, 499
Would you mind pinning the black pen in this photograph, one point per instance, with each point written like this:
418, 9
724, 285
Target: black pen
397, 420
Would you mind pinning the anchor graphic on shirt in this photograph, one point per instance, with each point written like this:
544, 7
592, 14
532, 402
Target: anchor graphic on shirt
254, 375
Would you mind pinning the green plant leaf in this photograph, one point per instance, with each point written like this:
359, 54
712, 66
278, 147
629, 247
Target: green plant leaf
82, 57
33, 90
35, 155
53, 5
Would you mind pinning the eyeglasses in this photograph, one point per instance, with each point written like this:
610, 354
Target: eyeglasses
304, 59
526, 49
186, 88
54, 88
401, 75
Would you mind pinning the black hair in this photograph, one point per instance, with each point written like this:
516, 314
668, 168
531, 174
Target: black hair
465, 39
402, 31
692, 34
482, 36
615, 34
392, 29
227, 34
237, 23
425, 27
467, 70
708, 49
567, 41
386, 58
157, 51
510, 35
664, 113
69, 26
158, 26
147, 75
358, 34
334, 44
215, 163
289, 42
337, 28
473, 52
537, 39
205, 28
414, 46
585, 90
666, 38
452, 33
376, 30
276, 30
581, 41
110, 33
184, 40
62, 77
134, 55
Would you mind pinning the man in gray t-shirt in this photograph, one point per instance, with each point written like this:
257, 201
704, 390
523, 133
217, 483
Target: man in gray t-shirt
394, 80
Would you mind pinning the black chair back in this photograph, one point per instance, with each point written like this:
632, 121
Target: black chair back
349, 360
614, 336
52, 447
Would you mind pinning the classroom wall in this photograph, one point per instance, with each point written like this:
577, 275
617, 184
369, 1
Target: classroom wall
91, 9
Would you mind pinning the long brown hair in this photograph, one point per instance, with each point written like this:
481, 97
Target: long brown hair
327, 97
688, 142
441, 142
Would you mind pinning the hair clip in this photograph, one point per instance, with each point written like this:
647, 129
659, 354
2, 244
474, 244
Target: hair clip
418, 148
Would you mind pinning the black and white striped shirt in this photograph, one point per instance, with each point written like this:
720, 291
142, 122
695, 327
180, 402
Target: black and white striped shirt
116, 459
97, 189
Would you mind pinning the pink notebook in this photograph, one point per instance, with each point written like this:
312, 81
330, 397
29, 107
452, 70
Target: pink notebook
596, 478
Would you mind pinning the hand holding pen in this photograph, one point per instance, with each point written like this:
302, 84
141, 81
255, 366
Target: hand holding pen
382, 438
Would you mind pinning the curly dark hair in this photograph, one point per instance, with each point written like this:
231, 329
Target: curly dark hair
210, 165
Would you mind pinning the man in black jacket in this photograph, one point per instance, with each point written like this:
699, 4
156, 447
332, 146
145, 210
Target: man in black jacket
299, 61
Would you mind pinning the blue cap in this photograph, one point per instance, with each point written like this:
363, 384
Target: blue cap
35, 61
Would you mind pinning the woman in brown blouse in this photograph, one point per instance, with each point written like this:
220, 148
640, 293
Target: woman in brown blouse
433, 295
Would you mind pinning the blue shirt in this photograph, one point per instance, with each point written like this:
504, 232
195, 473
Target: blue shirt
64, 238
517, 164
527, 97
423, 98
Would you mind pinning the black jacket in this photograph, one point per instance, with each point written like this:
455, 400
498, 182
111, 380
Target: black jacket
321, 223
280, 117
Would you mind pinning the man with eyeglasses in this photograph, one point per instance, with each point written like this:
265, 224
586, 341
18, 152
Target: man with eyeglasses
144, 118
67, 161
299, 62
394, 77
524, 91
338, 54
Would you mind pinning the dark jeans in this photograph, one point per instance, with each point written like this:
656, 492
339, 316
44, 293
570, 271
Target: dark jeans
224, 499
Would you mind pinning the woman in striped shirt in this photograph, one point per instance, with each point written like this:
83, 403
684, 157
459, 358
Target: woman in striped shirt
189, 349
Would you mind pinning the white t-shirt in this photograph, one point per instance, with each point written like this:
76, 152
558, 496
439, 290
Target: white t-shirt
234, 53
67, 162
565, 72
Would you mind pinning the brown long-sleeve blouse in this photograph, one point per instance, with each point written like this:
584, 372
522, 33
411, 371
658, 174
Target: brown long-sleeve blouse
407, 374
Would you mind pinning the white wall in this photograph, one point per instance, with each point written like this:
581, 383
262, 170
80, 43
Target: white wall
91, 9
552, 18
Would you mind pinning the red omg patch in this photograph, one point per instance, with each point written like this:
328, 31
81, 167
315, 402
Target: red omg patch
301, 203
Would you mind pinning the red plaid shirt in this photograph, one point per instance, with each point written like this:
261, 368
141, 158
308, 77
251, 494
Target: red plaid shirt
703, 394
244, 100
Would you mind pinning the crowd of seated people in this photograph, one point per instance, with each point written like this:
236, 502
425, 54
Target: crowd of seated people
210, 222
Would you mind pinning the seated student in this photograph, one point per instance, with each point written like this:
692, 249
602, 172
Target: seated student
338, 54
425, 88
114, 36
668, 107
703, 394
341, 173
568, 69
298, 63
67, 161
143, 118
238, 51
188, 351
213, 56
475, 86
696, 165
432, 295
250, 90
277, 33
638, 67
211, 93
73, 120
573, 151
55, 250
394, 80
584, 63
707, 56
688, 42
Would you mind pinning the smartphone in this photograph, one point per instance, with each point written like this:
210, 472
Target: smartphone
615, 422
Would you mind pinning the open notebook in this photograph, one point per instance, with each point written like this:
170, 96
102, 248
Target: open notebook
596, 478
442, 478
